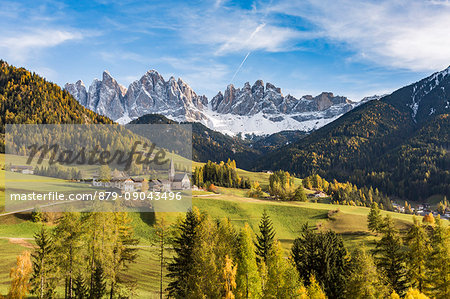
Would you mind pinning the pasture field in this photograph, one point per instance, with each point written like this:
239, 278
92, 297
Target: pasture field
17, 230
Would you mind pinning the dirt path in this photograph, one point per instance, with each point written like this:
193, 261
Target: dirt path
20, 241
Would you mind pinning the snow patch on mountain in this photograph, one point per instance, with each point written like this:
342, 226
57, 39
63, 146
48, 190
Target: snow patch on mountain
253, 109
422, 88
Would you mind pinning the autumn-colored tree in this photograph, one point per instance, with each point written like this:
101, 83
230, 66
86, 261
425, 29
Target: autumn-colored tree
144, 186
123, 251
162, 232
248, 280
281, 185
282, 279
439, 261
314, 290
307, 183
255, 190
20, 275
374, 218
212, 188
415, 294
104, 173
229, 275
68, 238
428, 219
418, 250
394, 295
363, 280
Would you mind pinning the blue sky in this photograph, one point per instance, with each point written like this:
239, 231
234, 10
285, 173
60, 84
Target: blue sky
351, 48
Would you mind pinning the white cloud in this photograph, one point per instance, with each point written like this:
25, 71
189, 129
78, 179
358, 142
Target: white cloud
20, 46
401, 34
203, 75
228, 30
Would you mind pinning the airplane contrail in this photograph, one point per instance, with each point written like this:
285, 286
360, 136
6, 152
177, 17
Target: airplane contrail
242, 63
246, 56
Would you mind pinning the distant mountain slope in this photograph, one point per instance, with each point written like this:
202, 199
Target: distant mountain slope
26, 97
215, 146
258, 109
399, 144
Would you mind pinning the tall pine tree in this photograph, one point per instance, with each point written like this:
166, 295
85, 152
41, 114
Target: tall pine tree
43, 279
390, 258
323, 256
183, 245
264, 240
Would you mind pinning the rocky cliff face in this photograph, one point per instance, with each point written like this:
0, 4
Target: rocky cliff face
254, 99
150, 94
78, 91
259, 108
174, 98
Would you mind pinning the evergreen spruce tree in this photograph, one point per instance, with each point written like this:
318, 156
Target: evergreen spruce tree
323, 256
183, 245
264, 240
43, 280
80, 290
390, 258
98, 288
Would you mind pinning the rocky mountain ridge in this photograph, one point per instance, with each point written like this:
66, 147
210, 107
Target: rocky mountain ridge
253, 109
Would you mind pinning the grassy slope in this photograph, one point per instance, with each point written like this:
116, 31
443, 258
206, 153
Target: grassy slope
288, 218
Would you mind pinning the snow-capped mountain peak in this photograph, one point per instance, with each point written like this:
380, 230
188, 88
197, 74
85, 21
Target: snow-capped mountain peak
259, 108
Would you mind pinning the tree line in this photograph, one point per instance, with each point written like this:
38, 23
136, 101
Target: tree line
219, 174
281, 187
86, 255
57, 171
213, 260
348, 193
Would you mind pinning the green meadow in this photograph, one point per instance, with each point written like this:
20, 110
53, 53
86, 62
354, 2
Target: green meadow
16, 230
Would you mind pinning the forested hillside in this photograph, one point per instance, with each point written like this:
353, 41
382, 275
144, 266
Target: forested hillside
209, 145
390, 144
26, 97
